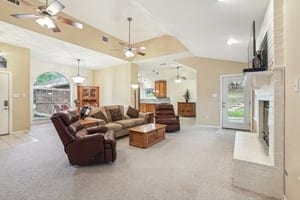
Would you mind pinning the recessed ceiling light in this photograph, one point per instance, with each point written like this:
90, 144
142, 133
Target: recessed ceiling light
232, 41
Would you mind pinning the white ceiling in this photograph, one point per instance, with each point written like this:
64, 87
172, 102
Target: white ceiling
110, 16
164, 67
53, 50
203, 26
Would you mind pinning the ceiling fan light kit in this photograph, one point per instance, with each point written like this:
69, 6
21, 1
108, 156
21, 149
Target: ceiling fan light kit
178, 78
47, 15
129, 50
129, 54
45, 22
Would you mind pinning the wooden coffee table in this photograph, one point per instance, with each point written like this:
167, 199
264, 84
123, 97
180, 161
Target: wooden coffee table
146, 135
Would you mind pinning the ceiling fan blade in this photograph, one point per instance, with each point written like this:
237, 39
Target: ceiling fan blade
183, 77
142, 48
25, 16
68, 21
25, 3
141, 53
55, 8
122, 43
56, 29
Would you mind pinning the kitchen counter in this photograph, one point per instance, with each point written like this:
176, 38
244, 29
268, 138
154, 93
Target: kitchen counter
156, 100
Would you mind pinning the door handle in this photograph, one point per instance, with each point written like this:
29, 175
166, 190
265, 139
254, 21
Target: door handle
5, 102
223, 104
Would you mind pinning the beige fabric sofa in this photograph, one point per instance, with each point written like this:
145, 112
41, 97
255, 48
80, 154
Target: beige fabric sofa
120, 127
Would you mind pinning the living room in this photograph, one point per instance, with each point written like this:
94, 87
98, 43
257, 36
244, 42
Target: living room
205, 144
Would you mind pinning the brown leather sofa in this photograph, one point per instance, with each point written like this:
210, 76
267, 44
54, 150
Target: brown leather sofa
84, 145
164, 114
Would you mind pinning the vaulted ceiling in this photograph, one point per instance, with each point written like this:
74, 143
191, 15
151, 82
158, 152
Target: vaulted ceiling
203, 26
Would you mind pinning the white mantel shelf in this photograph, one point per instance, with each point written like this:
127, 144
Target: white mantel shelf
258, 79
254, 152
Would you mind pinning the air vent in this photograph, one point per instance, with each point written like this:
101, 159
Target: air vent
104, 39
17, 2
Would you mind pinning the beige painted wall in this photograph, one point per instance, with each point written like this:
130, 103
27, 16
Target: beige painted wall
176, 91
292, 115
208, 86
18, 63
38, 67
160, 46
115, 84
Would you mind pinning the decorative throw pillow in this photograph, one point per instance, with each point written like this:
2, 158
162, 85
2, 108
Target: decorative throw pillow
132, 112
100, 115
115, 114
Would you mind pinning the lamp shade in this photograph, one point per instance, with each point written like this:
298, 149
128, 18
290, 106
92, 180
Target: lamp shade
78, 79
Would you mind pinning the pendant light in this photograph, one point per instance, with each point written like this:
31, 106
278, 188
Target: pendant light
78, 79
177, 78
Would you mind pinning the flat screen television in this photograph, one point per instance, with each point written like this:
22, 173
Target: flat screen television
254, 56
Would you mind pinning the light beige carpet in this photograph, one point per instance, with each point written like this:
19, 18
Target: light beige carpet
193, 164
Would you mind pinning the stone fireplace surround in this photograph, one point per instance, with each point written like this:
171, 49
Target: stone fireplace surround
256, 166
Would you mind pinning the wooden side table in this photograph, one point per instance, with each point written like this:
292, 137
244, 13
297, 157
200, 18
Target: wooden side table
86, 123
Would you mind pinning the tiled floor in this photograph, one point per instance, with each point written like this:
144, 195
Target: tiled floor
7, 141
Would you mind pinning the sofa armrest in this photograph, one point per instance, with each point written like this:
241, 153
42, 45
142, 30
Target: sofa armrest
146, 116
97, 129
109, 136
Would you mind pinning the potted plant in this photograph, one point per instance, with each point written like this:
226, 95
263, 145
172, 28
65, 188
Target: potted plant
187, 95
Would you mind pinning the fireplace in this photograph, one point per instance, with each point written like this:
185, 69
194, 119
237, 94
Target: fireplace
265, 124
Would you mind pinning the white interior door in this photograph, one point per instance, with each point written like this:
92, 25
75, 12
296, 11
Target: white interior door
4, 104
235, 103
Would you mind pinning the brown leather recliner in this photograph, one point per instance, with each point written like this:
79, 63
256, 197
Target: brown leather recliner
164, 114
84, 145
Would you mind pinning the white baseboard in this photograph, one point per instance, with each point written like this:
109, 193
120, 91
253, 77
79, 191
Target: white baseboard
45, 121
284, 197
207, 126
20, 132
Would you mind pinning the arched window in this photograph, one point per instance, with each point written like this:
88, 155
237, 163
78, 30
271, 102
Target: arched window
51, 93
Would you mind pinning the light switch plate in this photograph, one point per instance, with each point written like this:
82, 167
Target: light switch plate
296, 85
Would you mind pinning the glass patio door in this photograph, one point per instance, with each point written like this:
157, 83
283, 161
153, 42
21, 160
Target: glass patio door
235, 103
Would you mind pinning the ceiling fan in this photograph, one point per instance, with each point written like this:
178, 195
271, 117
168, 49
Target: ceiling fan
46, 15
179, 78
129, 50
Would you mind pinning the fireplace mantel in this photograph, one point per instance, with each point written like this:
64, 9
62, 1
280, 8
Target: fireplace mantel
258, 79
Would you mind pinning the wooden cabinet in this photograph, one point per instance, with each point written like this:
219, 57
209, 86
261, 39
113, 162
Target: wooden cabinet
186, 109
147, 107
161, 88
87, 96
